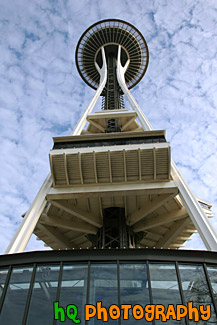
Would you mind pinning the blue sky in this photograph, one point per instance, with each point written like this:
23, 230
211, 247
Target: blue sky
42, 95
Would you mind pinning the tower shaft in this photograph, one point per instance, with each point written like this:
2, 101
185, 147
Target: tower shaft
111, 93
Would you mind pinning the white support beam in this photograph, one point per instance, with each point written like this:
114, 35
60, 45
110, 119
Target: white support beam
111, 189
175, 246
103, 78
191, 230
108, 114
121, 80
68, 224
172, 234
196, 213
160, 220
149, 207
183, 238
56, 236
125, 126
80, 214
28, 224
98, 126
140, 128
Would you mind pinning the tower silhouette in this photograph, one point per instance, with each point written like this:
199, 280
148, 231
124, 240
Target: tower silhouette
112, 204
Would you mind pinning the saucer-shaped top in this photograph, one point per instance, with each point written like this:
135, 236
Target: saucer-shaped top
110, 33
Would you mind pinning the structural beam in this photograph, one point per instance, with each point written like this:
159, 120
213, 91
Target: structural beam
103, 78
111, 190
28, 224
172, 234
70, 225
56, 236
80, 214
149, 207
196, 213
191, 230
176, 246
98, 126
160, 220
183, 238
125, 126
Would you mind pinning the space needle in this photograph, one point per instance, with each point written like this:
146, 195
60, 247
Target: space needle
114, 208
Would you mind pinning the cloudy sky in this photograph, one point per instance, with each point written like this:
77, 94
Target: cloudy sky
42, 95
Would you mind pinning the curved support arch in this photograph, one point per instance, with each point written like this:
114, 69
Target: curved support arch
103, 78
121, 80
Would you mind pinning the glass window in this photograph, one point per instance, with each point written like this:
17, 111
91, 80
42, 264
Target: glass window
103, 287
134, 289
43, 295
195, 289
165, 289
3, 275
212, 271
16, 296
74, 289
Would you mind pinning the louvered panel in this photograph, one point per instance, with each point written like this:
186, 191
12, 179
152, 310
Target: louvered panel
87, 166
58, 170
73, 169
132, 165
162, 163
123, 165
117, 166
102, 167
147, 167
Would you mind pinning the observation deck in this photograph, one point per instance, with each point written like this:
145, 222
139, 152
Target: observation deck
110, 33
